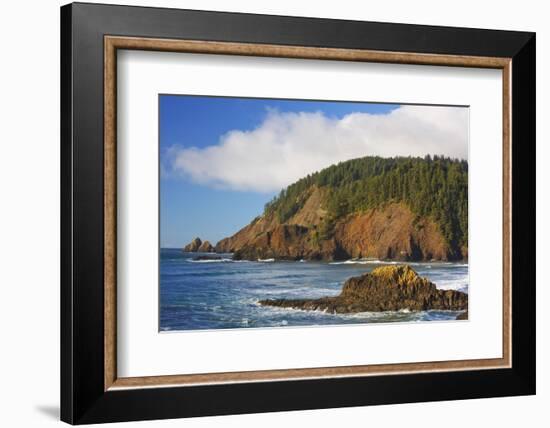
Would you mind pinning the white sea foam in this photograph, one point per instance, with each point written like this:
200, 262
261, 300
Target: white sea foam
403, 315
349, 262
459, 284
210, 261
364, 262
266, 260
394, 262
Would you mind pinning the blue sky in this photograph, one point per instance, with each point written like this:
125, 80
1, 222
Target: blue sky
223, 158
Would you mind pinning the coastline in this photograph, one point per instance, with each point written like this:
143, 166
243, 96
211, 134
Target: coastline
224, 294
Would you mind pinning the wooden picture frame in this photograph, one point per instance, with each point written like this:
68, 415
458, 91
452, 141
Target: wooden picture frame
91, 390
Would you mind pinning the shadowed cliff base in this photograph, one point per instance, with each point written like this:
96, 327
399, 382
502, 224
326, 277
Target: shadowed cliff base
387, 288
389, 232
462, 316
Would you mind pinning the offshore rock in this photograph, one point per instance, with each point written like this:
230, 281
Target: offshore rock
208, 257
193, 246
387, 288
206, 247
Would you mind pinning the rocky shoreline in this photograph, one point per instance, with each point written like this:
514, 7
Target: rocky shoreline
389, 232
387, 288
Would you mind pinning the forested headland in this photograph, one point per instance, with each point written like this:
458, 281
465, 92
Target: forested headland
405, 208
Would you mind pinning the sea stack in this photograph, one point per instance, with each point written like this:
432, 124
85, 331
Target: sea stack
193, 246
387, 288
206, 247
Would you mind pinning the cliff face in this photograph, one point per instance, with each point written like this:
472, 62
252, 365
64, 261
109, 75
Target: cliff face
389, 232
389, 288
400, 209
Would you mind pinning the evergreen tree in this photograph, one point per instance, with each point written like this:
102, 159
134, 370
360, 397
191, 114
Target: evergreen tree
431, 186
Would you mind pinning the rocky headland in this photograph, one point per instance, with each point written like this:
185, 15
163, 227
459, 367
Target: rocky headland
406, 209
390, 232
387, 288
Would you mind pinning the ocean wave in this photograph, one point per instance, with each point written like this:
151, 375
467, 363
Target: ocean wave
403, 315
428, 265
210, 261
223, 260
374, 316
349, 262
266, 260
298, 292
460, 284
365, 262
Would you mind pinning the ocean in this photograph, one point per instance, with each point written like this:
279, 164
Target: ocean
223, 294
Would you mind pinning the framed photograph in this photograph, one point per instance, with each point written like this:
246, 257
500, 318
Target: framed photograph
266, 213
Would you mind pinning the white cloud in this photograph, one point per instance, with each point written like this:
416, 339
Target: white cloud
288, 146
